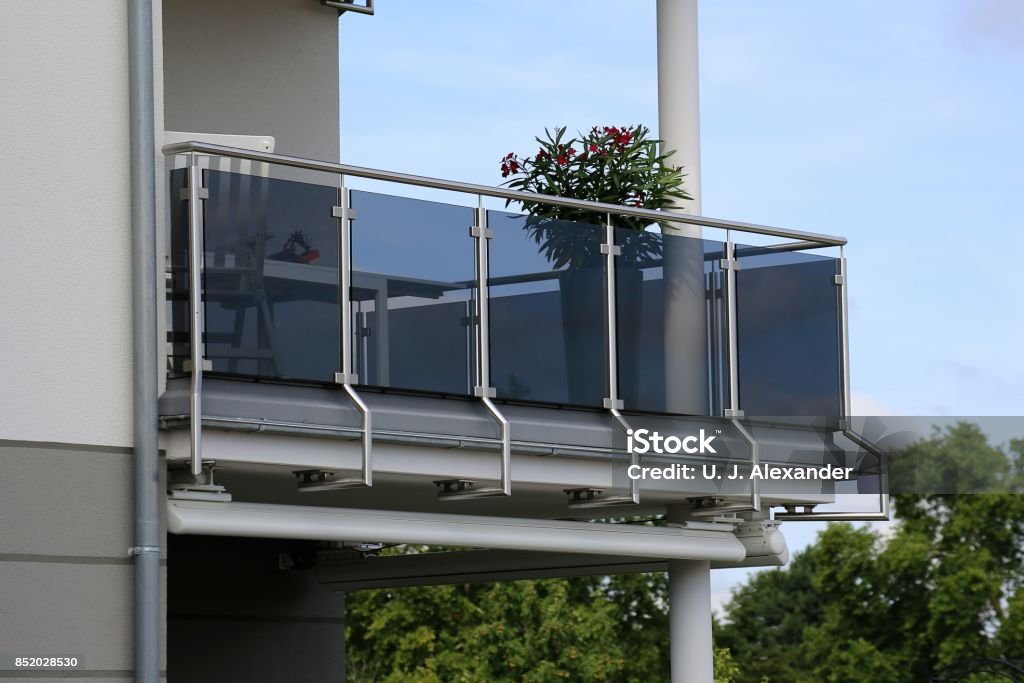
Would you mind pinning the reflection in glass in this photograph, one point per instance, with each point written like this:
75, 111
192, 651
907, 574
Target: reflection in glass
670, 330
271, 279
412, 285
547, 310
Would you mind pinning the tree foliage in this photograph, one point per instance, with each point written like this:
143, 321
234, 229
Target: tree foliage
942, 585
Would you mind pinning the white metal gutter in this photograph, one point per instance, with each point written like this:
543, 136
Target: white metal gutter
704, 542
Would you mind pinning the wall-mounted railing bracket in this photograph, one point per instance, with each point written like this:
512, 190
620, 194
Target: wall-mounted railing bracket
325, 480
182, 484
348, 6
462, 489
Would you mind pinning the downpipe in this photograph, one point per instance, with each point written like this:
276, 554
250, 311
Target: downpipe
142, 171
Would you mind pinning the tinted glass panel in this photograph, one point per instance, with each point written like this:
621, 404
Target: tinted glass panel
669, 326
788, 335
271, 277
547, 310
412, 286
179, 321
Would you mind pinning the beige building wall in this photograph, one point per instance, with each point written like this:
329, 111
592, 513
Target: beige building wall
265, 66
254, 67
65, 272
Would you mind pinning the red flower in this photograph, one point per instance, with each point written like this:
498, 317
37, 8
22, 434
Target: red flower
593, 148
513, 166
562, 159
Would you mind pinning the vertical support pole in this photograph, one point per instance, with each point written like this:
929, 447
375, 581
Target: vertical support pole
689, 590
679, 94
614, 403
844, 344
483, 389
729, 264
196, 194
346, 378
686, 364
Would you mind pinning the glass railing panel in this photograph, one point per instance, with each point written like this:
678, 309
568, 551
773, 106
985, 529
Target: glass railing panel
179, 322
548, 339
787, 306
669, 323
413, 280
271, 277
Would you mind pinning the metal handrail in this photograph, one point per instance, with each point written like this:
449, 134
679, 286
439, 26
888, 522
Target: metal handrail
498, 192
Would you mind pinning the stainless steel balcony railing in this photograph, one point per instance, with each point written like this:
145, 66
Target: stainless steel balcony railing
316, 282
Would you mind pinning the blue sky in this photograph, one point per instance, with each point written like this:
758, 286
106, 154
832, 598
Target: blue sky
898, 125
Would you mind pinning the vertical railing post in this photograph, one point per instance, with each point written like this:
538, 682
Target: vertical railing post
613, 403
482, 233
730, 265
346, 378
587, 498
195, 194
844, 344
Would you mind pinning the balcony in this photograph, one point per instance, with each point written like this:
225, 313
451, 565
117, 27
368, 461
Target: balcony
515, 351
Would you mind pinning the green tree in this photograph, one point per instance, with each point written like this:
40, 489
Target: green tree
945, 584
943, 587
529, 631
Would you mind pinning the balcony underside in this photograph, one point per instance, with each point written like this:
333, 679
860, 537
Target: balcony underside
258, 434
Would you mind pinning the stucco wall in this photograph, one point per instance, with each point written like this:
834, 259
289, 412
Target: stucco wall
65, 302
254, 67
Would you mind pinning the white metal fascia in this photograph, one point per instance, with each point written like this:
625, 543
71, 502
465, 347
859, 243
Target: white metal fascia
468, 531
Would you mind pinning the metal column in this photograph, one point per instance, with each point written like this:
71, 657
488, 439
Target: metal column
689, 589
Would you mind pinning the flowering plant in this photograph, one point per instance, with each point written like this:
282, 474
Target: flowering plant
610, 164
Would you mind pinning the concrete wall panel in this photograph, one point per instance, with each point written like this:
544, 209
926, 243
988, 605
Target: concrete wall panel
64, 232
